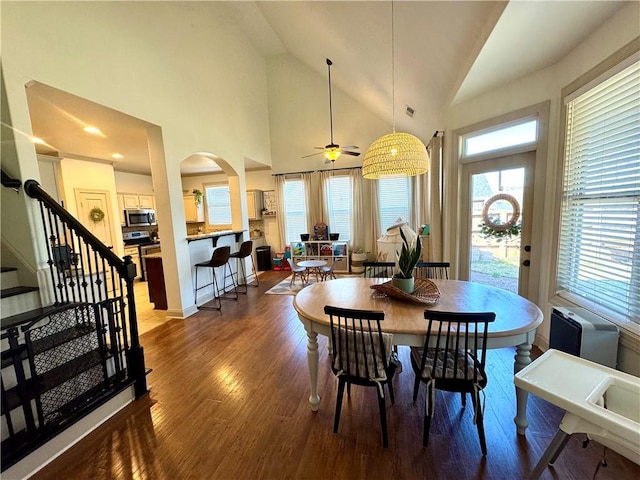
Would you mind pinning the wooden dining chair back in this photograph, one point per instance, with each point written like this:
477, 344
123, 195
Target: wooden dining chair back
453, 359
437, 270
362, 355
297, 272
378, 269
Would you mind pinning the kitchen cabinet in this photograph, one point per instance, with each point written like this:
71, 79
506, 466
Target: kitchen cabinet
138, 201
123, 220
254, 204
132, 250
193, 213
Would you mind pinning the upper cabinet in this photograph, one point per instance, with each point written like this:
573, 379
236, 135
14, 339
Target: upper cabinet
254, 204
138, 201
193, 212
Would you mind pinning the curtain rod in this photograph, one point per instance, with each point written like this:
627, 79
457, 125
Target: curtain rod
311, 171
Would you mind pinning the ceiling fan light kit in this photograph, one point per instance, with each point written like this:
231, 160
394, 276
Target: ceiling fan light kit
395, 153
333, 150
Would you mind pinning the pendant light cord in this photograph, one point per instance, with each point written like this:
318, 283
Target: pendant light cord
393, 73
329, 63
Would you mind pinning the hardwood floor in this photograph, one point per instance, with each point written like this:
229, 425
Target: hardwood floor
229, 400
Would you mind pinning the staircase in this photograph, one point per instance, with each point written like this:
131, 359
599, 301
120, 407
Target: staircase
66, 367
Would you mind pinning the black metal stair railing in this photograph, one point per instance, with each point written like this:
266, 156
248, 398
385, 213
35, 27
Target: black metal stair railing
74, 357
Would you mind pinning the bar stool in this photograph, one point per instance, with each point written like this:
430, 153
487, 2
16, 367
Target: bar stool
245, 251
220, 258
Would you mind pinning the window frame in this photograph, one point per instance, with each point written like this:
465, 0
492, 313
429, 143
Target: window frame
626, 56
206, 203
406, 218
287, 240
344, 236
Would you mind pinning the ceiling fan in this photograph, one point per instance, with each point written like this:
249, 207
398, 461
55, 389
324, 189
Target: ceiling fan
333, 150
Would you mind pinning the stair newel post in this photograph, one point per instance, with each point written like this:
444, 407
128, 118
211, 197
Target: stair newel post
135, 353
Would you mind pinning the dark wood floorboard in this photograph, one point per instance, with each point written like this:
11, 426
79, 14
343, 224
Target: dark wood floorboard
229, 400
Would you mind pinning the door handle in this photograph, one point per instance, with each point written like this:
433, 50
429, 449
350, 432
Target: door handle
526, 263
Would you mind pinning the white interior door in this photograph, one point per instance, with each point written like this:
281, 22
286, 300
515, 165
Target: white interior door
497, 199
86, 202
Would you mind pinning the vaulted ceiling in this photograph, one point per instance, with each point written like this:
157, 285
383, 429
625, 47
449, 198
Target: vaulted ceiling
442, 53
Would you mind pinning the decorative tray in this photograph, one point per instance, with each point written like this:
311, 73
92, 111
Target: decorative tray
425, 291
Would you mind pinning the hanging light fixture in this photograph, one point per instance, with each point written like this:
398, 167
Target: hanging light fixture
395, 153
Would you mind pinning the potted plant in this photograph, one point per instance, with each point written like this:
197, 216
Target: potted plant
197, 196
407, 259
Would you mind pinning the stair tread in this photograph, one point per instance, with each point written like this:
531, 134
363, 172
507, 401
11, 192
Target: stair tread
7, 269
26, 317
10, 292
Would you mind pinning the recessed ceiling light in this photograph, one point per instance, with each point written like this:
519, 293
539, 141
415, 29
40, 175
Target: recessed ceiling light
90, 129
117, 155
37, 140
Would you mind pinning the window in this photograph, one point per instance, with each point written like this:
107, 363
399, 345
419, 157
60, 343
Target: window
338, 193
505, 136
295, 209
599, 243
393, 200
218, 204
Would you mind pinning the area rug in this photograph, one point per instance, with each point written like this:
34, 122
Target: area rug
283, 287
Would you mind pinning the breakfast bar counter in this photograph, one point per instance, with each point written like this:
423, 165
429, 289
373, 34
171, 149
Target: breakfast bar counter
214, 236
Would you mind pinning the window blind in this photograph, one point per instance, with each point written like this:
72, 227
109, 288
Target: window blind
218, 205
295, 208
599, 243
338, 192
393, 200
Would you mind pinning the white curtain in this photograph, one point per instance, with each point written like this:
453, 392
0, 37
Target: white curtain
326, 194
435, 199
419, 203
280, 216
375, 216
314, 199
358, 232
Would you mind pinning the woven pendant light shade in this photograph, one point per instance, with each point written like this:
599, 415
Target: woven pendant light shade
395, 154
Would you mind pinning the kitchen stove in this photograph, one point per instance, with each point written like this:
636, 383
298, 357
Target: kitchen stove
145, 245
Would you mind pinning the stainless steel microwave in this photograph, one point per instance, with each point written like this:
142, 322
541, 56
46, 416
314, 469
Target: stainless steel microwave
139, 217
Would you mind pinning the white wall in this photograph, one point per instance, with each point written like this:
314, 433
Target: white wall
299, 118
134, 183
184, 67
80, 174
532, 89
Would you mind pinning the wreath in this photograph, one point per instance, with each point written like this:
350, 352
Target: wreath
490, 228
96, 215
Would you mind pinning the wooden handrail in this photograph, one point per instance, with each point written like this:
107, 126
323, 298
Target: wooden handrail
33, 189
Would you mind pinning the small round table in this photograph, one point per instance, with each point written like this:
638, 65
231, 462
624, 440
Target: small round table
313, 266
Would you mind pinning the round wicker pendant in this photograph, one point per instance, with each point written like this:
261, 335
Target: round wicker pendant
395, 154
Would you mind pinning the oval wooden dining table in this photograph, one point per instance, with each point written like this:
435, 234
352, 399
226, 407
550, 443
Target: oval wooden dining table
516, 320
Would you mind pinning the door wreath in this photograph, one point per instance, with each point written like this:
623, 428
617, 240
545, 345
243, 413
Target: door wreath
490, 226
96, 215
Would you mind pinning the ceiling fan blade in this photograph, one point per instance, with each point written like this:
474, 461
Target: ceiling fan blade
312, 154
346, 152
350, 147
